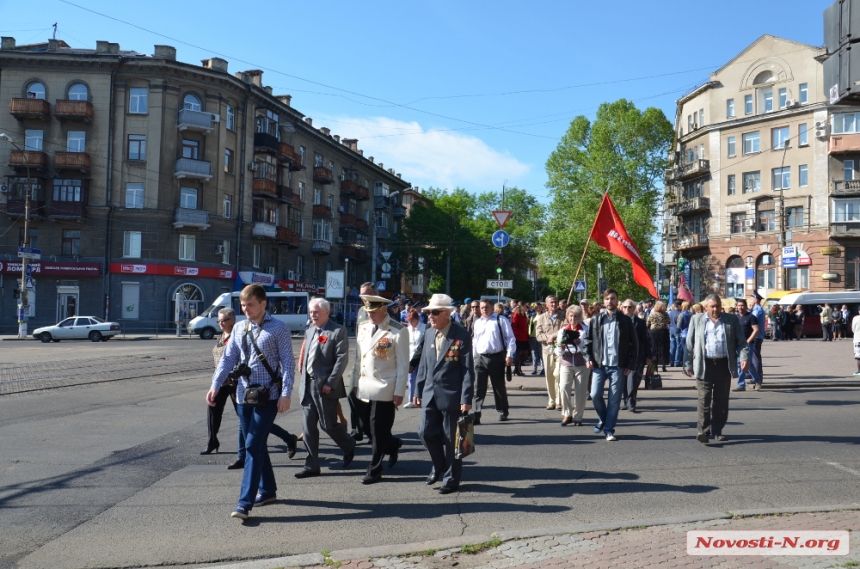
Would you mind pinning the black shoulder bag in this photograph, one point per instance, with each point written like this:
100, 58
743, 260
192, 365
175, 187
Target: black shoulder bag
255, 394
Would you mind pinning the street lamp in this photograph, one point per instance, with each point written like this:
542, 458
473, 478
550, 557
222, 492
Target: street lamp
24, 306
782, 210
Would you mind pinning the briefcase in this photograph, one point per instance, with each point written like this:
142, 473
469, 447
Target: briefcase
465, 436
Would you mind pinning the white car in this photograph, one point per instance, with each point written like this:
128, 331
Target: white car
78, 328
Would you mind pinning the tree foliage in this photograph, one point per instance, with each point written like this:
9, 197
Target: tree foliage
623, 151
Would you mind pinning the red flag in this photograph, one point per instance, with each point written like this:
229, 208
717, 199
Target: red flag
609, 233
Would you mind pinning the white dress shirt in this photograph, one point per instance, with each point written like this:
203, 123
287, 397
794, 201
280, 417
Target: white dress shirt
486, 339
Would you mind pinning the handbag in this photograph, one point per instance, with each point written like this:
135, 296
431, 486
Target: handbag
656, 381
256, 396
508, 374
465, 436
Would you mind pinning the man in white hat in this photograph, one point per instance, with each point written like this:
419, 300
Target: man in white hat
445, 390
379, 379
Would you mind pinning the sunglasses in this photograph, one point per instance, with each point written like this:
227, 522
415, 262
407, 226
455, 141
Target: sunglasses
437, 312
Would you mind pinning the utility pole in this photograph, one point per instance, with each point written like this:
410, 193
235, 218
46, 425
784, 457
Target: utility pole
24, 307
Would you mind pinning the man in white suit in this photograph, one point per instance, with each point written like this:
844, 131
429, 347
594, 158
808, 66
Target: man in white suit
379, 379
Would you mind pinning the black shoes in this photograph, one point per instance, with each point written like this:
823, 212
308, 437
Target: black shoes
702, 438
236, 465
212, 448
392, 458
721, 438
291, 446
503, 416
306, 474
476, 419
347, 458
447, 489
357, 436
371, 479
431, 480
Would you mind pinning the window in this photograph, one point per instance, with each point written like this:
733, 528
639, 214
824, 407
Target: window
781, 178
191, 103
730, 147
188, 198
137, 100
228, 206
76, 141
317, 196
767, 100
731, 184
766, 273
803, 134
845, 123
78, 92
779, 138
300, 263
257, 254
694, 189
322, 231
296, 223
803, 91
330, 201
794, 216
71, 241
748, 104
752, 182
134, 196
32, 242
68, 190
315, 268
131, 245
331, 168
231, 118
136, 147
730, 108
846, 210
228, 160
36, 90
187, 247
267, 122
701, 118
798, 278
751, 142
302, 152
766, 220
190, 149
302, 192
33, 140
783, 97
225, 252
803, 175
738, 224
690, 123
848, 170
318, 160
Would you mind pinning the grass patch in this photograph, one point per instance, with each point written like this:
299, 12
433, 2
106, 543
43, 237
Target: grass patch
425, 553
474, 548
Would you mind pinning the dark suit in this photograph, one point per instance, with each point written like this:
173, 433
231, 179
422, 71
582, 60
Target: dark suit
631, 388
329, 363
444, 383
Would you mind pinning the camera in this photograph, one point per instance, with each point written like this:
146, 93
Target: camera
569, 336
239, 370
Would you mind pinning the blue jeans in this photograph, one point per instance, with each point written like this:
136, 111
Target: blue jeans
607, 415
537, 354
676, 350
256, 422
752, 369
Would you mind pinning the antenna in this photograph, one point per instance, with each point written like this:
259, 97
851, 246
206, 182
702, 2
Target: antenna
55, 30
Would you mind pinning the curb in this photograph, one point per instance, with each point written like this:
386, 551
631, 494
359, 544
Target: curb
344, 555
765, 387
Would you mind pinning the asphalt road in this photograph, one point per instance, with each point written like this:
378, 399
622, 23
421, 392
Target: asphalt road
103, 470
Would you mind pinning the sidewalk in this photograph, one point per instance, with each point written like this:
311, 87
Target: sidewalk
632, 543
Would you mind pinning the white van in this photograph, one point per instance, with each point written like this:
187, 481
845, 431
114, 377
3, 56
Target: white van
291, 308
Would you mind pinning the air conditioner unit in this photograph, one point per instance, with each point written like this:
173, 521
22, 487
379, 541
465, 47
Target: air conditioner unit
791, 103
253, 166
821, 133
219, 249
216, 117
271, 270
291, 275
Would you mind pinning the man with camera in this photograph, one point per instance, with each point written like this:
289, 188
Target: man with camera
260, 354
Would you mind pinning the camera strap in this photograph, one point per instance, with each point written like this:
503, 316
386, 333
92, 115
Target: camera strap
260, 356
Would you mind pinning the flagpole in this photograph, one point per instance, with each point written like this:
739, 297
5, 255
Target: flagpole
585, 250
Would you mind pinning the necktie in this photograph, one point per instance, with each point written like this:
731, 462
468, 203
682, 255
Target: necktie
375, 328
312, 351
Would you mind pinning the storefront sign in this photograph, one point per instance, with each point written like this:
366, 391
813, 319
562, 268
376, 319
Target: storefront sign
829, 276
789, 257
171, 270
251, 277
297, 286
803, 259
334, 284
49, 268
830, 250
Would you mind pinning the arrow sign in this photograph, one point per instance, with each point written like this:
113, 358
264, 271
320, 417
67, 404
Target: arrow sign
502, 216
386, 267
386, 255
501, 238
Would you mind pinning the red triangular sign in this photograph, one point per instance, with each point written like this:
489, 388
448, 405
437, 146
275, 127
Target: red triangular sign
502, 217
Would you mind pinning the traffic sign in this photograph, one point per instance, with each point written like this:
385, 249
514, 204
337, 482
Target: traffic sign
502, 216
31, 285
29, 253
501, 238
386, 255
386, 275
500, 284
386, 268
29, 270
579, 286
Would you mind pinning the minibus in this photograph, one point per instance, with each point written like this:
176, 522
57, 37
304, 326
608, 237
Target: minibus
291, 308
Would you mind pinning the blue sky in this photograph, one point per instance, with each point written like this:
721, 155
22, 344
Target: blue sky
468, 94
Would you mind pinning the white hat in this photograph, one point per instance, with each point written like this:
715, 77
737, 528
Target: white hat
439, 302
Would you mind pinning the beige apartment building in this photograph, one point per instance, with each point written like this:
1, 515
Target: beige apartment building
762, 162
149, 176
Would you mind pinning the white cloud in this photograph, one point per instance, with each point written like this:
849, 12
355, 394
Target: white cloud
428, 157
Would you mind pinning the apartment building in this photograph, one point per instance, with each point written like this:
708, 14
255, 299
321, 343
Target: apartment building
762, 163
148, 176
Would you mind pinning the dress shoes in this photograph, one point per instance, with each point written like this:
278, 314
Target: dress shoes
624, 406
212, 448
306, 474
371, 479
503, 416
291, 446
702, 438
740, 388
431, 480
550, 407
577, 423
721, 438
357, 436
392, 458
236, 465
566, 421
347, 458
447, 489
476, 419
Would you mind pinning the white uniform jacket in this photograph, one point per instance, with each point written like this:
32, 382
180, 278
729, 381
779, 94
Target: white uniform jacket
381, 368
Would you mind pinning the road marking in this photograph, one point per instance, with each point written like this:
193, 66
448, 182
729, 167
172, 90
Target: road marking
845, 468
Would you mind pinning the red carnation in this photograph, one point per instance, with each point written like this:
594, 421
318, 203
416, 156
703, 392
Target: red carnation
323, 339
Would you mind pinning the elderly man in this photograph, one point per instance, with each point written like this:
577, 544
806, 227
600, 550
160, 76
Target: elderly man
324, 360
445, 386
360, 422
379, 379
546, 331
494, 347
715, 342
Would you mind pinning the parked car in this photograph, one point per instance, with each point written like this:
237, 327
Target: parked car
78, 328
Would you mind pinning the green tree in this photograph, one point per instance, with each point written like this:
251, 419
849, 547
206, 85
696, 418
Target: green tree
623, 151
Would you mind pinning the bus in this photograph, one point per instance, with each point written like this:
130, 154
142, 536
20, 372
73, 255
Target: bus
291, 308
812, 303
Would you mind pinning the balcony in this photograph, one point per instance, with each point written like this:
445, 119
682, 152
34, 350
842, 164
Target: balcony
16, 199
265, 143
692, 205
297, 202
265, 188
75, 161
348, 252
362, 193
349, 187
843, 229
845, 187
288, 236
362, 225
198, 218
382, 233
38, 109
398, 211
194, 169
196, 121
74, 111
263, 230
347, 220
286, 152
321, 210
70, 209
380, 202
323, 175
691, 242
670, 228
692, 170
23, 159
842, 143
321, 247
285, 194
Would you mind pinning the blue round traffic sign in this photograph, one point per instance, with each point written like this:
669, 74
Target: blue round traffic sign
501, 238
